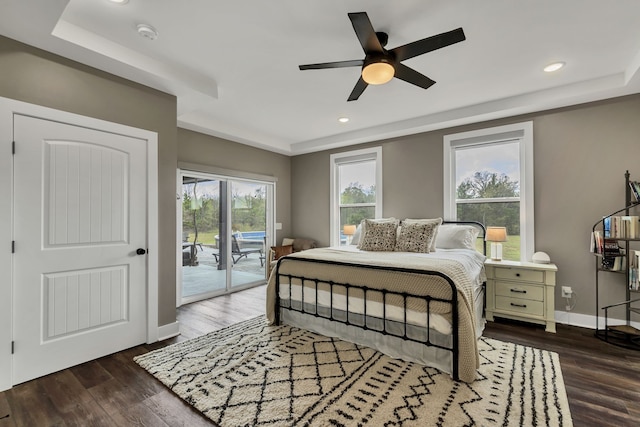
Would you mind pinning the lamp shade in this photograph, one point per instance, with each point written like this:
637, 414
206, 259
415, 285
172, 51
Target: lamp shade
349, 230
496, 234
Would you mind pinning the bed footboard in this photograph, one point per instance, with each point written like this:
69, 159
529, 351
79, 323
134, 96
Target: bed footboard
348, 290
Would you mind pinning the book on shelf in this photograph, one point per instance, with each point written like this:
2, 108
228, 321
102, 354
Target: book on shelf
635, 189
613, 256
619, 263
621, 227
606, 226
634, 263
596, 245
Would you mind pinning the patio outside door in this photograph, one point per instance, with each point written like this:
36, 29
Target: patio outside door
225, 222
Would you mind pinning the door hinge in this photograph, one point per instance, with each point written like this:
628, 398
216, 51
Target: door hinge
13, 246
13, 346
13, 147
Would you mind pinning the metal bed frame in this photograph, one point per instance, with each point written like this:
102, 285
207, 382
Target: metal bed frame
363, 290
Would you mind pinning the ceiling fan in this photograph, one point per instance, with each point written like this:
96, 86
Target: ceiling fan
381, 65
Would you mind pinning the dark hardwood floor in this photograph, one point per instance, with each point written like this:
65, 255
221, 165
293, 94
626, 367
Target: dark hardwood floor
602, 381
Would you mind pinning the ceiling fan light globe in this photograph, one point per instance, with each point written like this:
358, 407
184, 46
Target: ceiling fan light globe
377, 73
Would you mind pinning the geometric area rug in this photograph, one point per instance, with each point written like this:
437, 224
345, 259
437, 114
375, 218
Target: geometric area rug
253, 374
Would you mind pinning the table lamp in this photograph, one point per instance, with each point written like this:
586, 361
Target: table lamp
349, 231
495, 235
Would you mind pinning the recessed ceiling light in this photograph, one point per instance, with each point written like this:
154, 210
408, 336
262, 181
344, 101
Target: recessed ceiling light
343, 119
119, 1
554, 67
147, 31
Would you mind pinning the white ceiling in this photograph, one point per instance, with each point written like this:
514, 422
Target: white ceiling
233, 65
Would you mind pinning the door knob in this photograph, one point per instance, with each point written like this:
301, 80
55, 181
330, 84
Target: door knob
141, 251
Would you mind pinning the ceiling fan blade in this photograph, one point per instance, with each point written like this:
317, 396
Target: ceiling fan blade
337, 64
358, 89
410, 75
429, 44
365, 32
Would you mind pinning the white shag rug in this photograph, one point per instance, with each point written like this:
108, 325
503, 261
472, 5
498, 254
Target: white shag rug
253, 374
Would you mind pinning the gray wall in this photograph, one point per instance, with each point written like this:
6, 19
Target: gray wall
194, 147
581, 154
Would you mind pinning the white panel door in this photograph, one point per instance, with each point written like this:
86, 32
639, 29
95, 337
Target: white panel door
80, 216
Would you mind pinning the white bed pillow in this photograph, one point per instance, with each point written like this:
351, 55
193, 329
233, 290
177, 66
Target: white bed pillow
378, 234
355, 239
451, 236
432, 248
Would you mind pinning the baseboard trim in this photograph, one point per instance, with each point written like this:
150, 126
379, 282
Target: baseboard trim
169, 330
587, 320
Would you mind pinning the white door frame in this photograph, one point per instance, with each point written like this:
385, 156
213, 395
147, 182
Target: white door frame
9, 107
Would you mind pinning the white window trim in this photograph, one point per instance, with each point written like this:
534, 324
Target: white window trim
520, 131
374, 153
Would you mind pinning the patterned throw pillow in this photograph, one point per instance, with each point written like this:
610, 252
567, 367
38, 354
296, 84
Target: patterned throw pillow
416, 237
426, 221
379, 236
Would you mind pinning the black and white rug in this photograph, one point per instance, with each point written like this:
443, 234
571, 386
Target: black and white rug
252, 374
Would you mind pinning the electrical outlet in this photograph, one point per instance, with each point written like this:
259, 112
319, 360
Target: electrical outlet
566, 292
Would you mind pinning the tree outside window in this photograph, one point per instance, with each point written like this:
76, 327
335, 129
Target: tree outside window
356, 203
488, 177
492, 199
356, 181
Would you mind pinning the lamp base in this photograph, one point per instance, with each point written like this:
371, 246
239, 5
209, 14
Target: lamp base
496, 251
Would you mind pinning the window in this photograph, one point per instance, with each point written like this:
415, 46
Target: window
356, 190
488, 177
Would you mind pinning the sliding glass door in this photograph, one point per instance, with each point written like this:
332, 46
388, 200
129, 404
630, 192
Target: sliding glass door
226, 224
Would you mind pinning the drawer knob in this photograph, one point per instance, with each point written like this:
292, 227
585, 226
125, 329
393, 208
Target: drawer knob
518, 291
519, 305
517, 274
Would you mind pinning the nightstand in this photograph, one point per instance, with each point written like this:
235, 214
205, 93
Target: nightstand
521, 291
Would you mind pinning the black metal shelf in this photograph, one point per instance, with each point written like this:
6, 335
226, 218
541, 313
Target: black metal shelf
625, 335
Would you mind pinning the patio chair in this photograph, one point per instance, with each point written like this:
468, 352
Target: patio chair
237, 253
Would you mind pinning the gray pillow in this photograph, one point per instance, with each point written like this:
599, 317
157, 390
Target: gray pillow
300, 244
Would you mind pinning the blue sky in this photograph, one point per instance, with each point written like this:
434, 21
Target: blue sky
361, 172
498, 158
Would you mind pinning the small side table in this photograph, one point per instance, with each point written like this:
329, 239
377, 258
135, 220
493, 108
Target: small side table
521, 291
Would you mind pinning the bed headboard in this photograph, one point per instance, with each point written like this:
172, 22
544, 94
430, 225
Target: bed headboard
478, 225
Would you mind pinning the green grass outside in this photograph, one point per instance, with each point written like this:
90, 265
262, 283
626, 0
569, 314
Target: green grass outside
207, 238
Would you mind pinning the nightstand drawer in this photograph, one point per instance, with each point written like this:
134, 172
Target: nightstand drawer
519, 290
521, 306
520, 274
